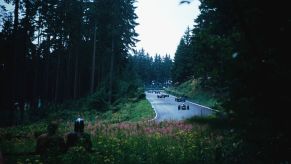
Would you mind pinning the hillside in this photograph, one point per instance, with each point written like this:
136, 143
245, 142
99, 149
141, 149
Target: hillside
192, 91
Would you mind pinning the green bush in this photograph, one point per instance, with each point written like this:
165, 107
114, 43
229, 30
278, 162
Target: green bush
96, 101
77, 155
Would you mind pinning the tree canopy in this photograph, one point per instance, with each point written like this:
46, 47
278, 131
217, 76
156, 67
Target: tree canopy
46, 51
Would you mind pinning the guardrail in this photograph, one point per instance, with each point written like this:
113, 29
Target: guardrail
203, 108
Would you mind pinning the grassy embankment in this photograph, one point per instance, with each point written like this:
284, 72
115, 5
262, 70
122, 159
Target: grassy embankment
191, 90
123, 135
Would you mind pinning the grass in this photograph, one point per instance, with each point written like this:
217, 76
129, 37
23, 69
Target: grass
134, 142
123, 134
17, 142
129, 112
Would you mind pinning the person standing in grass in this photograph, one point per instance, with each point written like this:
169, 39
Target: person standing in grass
50, 145
79, 137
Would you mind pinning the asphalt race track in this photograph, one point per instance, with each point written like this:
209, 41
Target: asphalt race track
167, 108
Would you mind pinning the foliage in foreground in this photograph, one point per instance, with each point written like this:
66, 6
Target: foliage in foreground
142, 142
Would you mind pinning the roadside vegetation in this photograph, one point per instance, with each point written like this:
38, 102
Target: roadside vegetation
132, 142
122, 133
18, 142
192, 91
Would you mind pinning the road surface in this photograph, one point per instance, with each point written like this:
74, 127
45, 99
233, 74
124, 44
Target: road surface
167, 108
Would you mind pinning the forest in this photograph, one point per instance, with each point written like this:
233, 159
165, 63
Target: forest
57, 51
60, 50
238, 50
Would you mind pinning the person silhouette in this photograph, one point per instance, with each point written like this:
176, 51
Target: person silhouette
49, 145
79, 137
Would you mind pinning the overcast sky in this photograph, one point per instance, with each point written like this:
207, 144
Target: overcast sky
163, 23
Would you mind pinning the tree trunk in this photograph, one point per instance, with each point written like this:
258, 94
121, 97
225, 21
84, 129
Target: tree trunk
35, 80
77, 43
93, 63
16, 56
35, 61
16, 11
58, 78
46, 73
111, 71
68, 74
76, 76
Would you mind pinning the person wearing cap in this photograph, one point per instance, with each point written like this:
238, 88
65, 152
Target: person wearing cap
79, 137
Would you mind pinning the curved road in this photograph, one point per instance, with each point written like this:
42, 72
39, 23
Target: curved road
167, 108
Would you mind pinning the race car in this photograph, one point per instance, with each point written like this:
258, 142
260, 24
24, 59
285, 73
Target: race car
162, 96
180, 99
157, 92
183, 107
166, 95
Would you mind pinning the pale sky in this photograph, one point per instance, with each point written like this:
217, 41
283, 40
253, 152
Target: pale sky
162, 23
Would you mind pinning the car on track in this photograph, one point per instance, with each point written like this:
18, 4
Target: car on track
166, 95
162, 96
157, 92
183, 107
180, 99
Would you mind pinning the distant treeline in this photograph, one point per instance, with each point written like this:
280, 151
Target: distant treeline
152, 71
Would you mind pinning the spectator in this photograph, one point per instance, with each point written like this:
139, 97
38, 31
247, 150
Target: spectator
39, 104
50, 145
16, 113
79, 137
